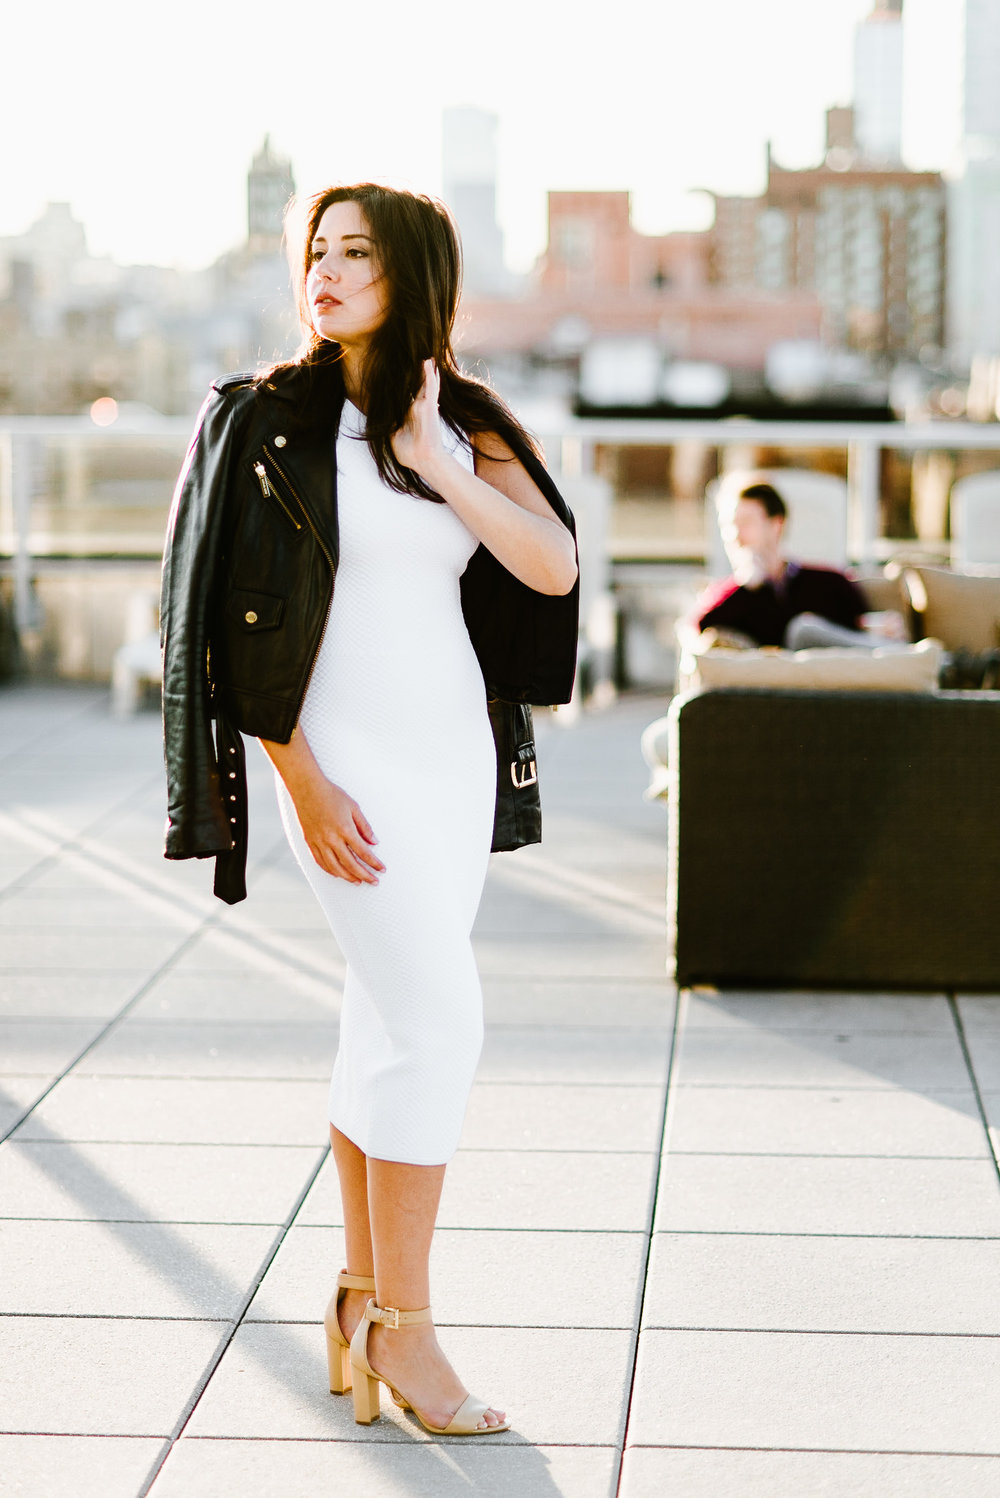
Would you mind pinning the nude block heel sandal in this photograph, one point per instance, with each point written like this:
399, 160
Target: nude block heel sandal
465, 1420
338, 1349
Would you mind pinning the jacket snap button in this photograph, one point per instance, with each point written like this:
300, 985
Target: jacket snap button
250, 616
280, 441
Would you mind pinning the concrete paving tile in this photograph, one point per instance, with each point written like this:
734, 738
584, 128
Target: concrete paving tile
200, 1467
153, 1182
92, 1376
537, 1054
984, 1051
17, 1094
262, 954
44, 947
104, 910
13, 868
805, 1009
553, 1117
298, 998
130, 1268
63, 805
68, 994
273, 1382
588, 1192
583, 957
794, 1389
651, 1473
44, 1047
991, 1107
280, 879
510, 915
137, 1110
478, 1278
141, 1048
647, 1004
819, 1059
86, 1466
786, 1194
978, 1012
297, 910
818, 1121
786, 1283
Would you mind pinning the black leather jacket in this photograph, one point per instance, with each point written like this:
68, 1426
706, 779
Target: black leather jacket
248, 575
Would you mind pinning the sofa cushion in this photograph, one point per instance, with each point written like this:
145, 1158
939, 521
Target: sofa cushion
960, 609
911, 668
884, 591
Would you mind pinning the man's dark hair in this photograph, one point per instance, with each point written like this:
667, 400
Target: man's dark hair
768, 496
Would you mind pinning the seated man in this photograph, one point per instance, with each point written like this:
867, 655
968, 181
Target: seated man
770, 600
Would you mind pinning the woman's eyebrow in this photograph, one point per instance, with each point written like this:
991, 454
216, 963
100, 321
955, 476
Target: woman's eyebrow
344, 237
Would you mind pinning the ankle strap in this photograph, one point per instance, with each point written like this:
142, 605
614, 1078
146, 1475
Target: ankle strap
390, 1317
347, 1281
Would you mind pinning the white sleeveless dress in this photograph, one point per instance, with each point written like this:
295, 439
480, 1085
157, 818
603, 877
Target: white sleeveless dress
396, 715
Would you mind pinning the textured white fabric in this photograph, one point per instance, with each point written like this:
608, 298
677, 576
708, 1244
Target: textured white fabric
396, 714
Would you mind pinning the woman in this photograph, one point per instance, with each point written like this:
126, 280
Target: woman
371, 459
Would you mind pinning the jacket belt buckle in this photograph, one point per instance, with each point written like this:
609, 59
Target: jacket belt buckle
523, 773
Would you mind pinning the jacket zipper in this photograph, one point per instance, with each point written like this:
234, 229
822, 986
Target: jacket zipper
323, 548
270, 492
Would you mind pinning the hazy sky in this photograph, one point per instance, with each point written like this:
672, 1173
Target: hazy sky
145, 118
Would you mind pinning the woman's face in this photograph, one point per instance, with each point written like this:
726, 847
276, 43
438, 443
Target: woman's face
347, 293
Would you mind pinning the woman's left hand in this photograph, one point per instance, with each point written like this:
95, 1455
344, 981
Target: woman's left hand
417, 444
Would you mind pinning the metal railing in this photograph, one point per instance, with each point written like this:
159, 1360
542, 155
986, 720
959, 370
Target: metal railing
68, 488
575, 439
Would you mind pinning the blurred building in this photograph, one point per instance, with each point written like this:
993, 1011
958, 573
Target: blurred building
868, 240
878, 84
598, 276
952, 119
470, 190
270, 188
75, 327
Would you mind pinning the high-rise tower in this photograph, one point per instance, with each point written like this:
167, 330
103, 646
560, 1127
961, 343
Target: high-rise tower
270, 184
470, 190
878, 84
952, 104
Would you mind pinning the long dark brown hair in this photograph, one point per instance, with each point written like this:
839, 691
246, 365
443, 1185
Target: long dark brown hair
418, 251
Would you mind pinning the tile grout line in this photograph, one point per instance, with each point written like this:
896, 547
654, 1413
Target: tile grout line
227, 1340
680, 1009
96, 702
116, 1019
963, 1042
213, 920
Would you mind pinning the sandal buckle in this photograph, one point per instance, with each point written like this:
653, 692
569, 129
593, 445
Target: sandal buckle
386, 1313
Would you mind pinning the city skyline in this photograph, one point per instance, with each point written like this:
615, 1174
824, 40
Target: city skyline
157, 173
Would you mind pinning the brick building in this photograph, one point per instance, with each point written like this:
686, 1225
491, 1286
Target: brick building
599, 276
867, 240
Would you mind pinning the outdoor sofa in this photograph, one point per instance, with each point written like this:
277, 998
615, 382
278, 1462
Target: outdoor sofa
846, 837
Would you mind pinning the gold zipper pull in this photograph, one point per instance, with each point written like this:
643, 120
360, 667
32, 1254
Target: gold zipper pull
261, 472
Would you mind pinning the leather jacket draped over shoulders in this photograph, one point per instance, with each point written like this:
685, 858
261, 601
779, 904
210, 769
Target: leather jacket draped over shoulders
249, 569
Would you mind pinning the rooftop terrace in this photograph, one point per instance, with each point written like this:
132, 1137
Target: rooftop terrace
726, 1244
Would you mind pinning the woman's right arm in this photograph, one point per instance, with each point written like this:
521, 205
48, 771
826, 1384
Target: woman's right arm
336, 830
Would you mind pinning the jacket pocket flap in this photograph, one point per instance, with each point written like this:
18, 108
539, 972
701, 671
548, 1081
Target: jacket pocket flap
255, 611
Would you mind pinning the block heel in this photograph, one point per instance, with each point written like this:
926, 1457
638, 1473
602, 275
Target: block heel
365, 1392
338, 1349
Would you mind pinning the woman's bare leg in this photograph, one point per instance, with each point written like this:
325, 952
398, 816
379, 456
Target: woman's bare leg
352, 1168
402, 1207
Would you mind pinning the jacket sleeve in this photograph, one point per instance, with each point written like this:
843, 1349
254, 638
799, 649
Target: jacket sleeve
197, 824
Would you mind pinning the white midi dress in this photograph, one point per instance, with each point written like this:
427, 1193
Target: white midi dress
395, 713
